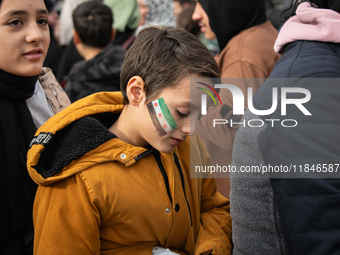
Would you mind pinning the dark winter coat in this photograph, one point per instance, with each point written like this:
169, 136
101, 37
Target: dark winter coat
101, 73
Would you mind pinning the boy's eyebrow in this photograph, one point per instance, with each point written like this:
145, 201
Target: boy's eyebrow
184, 104
22, 12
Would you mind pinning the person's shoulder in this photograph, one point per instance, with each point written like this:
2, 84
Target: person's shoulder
110, 54
320, 48
98, 173
117, 50
309, 59
77, 67
258, 36
254, 46
265, 28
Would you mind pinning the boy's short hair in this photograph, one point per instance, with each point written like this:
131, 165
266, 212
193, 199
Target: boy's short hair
162, 57
93, 22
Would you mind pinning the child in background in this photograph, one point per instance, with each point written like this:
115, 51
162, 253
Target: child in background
125, 187
92, 35
24, 41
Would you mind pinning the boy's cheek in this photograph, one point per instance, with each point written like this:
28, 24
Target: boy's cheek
161, 117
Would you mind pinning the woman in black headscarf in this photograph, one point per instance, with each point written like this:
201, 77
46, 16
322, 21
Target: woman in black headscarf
24, 41
228, 18
246, 39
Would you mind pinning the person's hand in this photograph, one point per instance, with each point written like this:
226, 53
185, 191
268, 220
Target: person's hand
161, 251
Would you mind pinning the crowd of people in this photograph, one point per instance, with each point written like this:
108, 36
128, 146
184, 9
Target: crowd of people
100, 127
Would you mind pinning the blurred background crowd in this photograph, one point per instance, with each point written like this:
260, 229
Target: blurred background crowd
130, 16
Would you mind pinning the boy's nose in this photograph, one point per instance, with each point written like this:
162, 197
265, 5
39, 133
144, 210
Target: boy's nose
187, 128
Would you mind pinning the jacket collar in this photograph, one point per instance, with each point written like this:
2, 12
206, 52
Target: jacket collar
73, 140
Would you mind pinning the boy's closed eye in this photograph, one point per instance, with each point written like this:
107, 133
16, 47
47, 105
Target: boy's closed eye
180, 114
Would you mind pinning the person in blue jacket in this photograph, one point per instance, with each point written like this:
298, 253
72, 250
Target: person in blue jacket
282, 214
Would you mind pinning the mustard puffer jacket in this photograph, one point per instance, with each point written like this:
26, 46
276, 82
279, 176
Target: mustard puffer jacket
100, 195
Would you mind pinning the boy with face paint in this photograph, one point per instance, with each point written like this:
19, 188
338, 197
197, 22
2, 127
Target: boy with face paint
114, 169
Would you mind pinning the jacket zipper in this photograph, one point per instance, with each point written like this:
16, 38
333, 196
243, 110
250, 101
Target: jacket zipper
182, 178
157, 156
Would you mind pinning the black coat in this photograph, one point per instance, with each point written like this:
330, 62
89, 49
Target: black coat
101, 73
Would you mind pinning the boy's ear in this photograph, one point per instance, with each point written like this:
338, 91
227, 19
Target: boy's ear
135, 90
76, 38
113, 35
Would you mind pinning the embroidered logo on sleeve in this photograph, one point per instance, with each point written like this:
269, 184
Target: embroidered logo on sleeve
43, 138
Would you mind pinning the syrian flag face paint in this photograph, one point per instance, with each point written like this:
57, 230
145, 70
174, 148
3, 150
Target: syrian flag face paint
161, 116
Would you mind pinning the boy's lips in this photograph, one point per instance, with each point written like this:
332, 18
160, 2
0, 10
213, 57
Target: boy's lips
176, 141
34, 54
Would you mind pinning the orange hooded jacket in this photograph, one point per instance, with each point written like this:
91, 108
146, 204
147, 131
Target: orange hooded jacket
100, 195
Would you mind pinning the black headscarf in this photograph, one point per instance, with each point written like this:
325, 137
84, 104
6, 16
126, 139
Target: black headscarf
49, 5
17, 190
325, 4
229, 17
328, 4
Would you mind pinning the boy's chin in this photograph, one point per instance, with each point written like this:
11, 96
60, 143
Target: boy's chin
164, 148
167, 150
